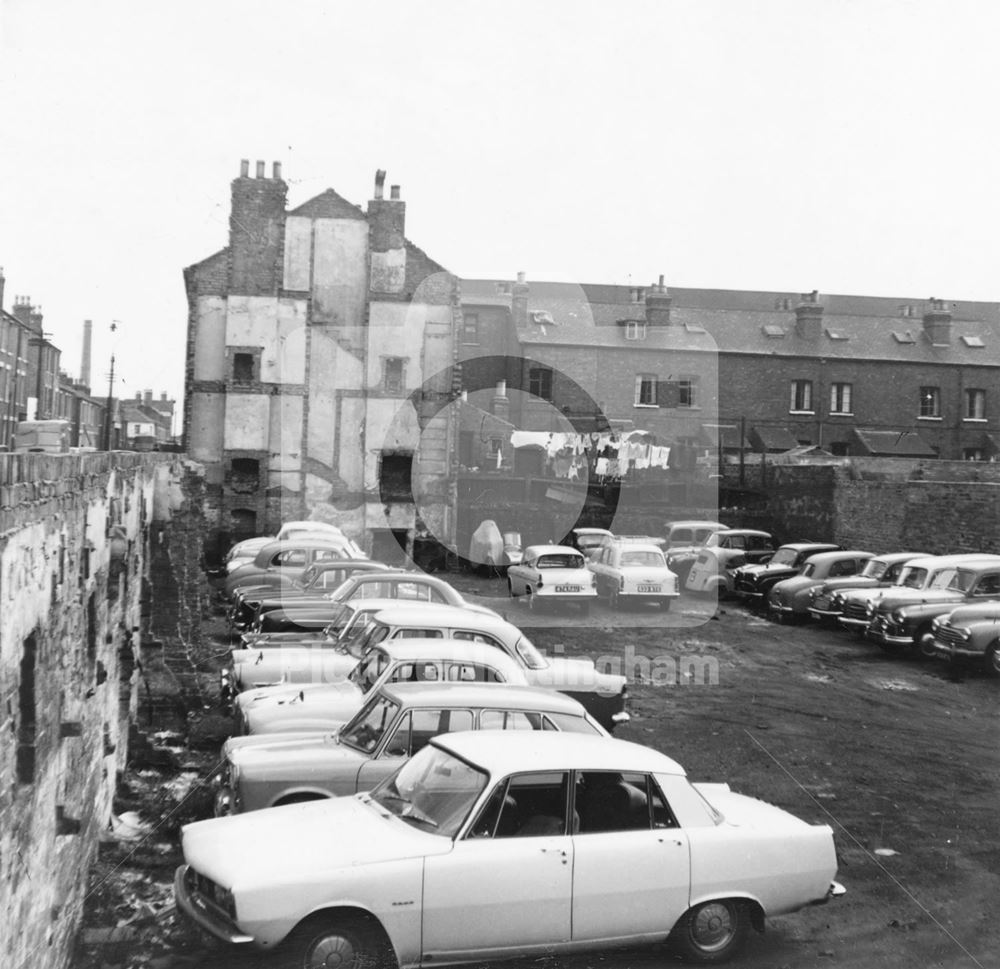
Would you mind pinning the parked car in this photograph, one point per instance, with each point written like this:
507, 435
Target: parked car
681, 557
552, 574
397, 721
243, 552
724, 552
789, 599
627, 571
405, 586
291, 558
689, 532
498, 844
970, 635
308, 529
753, 582
902, 619
585, 540
513, 549
277, 589
879, 572
325, 706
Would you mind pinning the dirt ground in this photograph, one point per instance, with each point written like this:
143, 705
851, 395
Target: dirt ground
901, 758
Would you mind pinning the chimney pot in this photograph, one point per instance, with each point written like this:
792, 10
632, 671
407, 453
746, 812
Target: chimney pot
522, 276
244, 168
260, 169
276, 169
379, 183
661, 279
394, 192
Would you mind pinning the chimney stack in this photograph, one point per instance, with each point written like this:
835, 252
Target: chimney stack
809, 316
147, 397
260, 169
937, 323
245, 168
658, 305
256, 231
386, 241
276, 170
519, 301
88, 337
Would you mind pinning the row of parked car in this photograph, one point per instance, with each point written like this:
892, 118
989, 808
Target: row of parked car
467, 801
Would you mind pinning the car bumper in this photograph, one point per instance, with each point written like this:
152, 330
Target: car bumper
836, 890
956, 651
823, 613
888, 636
850, 623
204, 914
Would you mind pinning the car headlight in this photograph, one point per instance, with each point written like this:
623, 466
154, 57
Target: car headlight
898, 617
837, 601
870, 609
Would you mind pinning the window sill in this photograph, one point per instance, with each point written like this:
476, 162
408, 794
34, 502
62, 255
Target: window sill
975, 420
810, 413
647, 406
841, 413
930, 418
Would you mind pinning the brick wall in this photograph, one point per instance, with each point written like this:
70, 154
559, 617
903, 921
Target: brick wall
74, 541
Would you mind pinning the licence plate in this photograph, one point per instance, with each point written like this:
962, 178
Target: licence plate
567, 588
649, 588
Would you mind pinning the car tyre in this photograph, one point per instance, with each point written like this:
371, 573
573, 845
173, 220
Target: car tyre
346, 941
923, 643
712, 932
992, 659
665, 605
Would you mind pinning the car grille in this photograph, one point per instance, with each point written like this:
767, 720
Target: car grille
822, 602
950, 636
209, 892
855, 610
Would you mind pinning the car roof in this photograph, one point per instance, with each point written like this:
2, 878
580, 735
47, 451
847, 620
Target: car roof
694, 523
900, 556
835, 555
417, 649
504, 752
500, 695
633, 545
355, 565
550, 550
937, 561
742, 531
825, 546
590, 531
404, 575
397, 612
286, 544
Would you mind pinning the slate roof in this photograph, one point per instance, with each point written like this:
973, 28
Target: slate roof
905, 444
329, 205
851, 328
772, 438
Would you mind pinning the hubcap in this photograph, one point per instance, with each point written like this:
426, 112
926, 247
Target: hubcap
995, 659
713, 927
332, 952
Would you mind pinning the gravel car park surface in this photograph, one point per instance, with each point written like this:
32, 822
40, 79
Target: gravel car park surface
899, 757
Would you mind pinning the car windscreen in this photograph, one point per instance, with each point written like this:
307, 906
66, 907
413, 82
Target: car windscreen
365, 731
784, 556
808, 569
365, 675
642, 558
559, 562
433, 791
912, 577
874, 569
529, 655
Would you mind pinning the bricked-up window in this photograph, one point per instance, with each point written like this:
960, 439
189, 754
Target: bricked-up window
840, 398
393, 370
244, 475
26, 719
645, 390
394, 476
540, 382
470, 328
930, 402
243, 368
975, 405
801, 396
91, 628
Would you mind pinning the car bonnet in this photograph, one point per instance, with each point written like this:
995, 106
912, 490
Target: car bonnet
302, 842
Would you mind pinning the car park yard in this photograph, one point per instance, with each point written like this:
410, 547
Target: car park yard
899, 756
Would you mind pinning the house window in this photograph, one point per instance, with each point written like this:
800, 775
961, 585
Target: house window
930, 402
645, 390
687, 392
973, 454
395, 476
392, 375
540, 382
26, 722
243, 368
840, 398
975, 405
635, 330
801, 396
470, 327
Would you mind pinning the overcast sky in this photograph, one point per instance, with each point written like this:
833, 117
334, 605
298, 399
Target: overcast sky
780, 144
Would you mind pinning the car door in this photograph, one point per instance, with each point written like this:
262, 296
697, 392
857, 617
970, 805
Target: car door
631, 864
411, 734
507, 885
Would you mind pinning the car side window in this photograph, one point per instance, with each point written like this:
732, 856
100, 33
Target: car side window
525, 806
418, 727
607, 801
510, 720
988, 585
410, 633
472, 673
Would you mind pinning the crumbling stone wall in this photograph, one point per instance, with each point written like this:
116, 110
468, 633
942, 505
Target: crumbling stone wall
74, 541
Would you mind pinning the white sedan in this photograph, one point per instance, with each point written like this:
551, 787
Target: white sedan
503, 844
552, 573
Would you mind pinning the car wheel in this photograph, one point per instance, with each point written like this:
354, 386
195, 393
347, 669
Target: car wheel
712, 932
328, 940
923, 643
665, 605
992, 659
